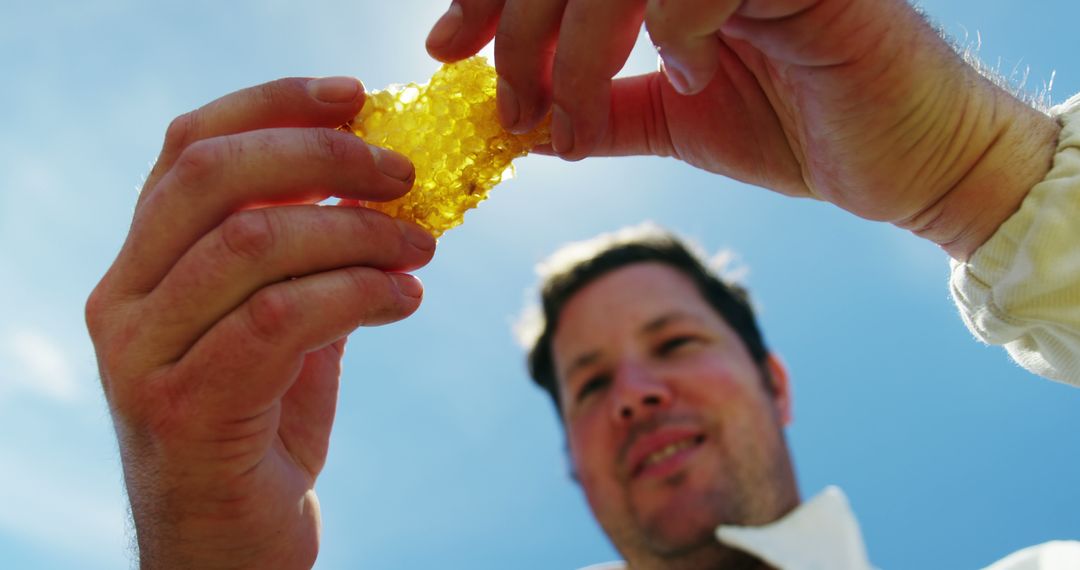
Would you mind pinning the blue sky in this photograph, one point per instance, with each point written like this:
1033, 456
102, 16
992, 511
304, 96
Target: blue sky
444, 454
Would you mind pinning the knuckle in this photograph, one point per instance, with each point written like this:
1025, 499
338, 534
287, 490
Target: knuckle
520, 58
373, 287
111, 332
566, 71
94, 312
340, 148
362, 280
508, 42
382, 303
250, 235
280, 93
181, 132
381, 234
270, 94
137, 393
117, 362
270, 312
197, 162
578, 76
368, 224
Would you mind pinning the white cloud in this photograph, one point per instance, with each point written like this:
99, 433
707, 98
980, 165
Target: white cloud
38, 364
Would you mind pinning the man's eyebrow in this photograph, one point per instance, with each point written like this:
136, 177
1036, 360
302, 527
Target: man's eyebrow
666, 319
650, 327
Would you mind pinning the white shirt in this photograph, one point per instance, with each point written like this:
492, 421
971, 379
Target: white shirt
822, 534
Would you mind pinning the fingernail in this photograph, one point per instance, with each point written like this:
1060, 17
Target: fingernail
676, 74
562, 131
446, 28
334, 89
416, 236
407, 285
507, 103
392, 164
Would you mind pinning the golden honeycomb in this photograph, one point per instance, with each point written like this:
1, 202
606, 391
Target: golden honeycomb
450, 130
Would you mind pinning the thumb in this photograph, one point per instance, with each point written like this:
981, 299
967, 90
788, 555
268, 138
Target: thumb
638, 124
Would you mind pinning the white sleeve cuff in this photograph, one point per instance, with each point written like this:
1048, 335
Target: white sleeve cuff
1021, 289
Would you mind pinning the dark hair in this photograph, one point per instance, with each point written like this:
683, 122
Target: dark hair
562, 278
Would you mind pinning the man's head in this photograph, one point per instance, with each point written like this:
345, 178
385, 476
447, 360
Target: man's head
673, 407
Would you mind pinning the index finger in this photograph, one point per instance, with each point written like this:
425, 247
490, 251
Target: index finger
594, 42
289, 102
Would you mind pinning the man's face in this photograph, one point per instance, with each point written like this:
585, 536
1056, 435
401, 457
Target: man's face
671, 428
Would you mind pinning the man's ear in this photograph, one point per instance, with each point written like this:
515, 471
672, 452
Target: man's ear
781, 388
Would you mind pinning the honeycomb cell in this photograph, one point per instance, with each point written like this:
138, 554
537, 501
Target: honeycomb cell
450, 129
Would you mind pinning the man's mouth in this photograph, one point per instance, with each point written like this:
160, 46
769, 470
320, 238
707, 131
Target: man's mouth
668, 455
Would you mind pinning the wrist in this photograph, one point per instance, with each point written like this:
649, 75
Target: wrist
1010, 149
215, 524
223, 545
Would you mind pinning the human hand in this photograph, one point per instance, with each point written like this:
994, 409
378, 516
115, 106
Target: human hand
858, 102
220, 327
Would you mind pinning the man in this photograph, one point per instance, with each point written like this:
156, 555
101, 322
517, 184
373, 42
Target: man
220, 327
674, 409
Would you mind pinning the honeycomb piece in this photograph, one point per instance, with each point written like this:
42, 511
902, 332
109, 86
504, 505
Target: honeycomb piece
450, 130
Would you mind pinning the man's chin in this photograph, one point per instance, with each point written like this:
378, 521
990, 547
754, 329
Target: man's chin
683, 536
677, 530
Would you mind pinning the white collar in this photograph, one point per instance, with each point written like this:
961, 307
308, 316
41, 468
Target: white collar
820, 534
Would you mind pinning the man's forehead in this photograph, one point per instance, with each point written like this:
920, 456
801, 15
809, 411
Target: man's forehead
673, 316
644, 295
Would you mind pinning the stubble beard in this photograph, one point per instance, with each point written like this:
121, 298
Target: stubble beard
701, 551
755, 497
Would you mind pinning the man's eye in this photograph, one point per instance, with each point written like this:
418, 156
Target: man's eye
675, 343
593, 384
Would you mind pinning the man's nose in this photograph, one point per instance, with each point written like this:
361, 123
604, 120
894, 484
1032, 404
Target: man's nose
638, 393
